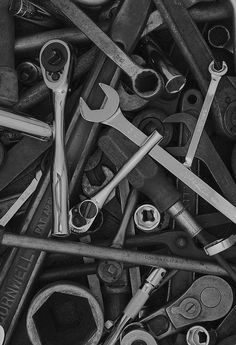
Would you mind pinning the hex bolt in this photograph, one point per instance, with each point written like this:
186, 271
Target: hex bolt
147, 217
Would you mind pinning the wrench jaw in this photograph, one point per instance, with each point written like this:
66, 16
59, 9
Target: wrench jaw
101, 115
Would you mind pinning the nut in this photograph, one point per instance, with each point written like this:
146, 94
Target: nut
147, 217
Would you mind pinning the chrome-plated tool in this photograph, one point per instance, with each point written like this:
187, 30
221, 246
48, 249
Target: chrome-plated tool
82, 216
136, 304
220, 246
21, 200
55, 58
111, 115
145, 81
216, 75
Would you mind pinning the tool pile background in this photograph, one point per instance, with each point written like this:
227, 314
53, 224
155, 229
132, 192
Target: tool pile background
117, 172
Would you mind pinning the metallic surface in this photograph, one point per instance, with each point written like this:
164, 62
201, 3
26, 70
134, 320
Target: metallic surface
59, 87
216, 75
26, 125
145, 82
195, 334
147, 218
112, 116
68, 289
88, 209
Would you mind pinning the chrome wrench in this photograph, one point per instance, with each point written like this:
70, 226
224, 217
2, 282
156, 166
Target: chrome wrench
55, 64
21, 200
146, 82
111, 115
216, 75
88, 209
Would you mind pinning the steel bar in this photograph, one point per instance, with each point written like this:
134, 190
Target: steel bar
127, 256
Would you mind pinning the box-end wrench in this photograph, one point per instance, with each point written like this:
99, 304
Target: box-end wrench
55, 62
82, 216
146, 82
111, 115
216, 75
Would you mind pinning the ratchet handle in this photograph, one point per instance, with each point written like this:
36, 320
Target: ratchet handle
8, 75
147, 173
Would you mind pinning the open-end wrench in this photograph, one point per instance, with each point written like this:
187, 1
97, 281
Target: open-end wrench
216, 75
112, 116
145, 82
55, 64
88, 209
21, 200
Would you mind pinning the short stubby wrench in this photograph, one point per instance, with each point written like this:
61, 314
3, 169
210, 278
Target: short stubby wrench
216, 75
111, 115
82, 216
55, 64
146, 82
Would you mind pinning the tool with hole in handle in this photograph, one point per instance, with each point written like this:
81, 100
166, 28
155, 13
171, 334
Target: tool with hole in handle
55, 59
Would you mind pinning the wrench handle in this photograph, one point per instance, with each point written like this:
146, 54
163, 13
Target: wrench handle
59, 173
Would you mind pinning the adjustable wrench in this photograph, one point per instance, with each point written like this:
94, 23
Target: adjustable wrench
55, 64
145, 81
112, 116
216, 75
88, 209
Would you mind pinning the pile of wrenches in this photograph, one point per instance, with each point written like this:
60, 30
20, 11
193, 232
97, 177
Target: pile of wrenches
117, 172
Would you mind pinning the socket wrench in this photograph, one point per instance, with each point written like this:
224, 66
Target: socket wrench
55, 64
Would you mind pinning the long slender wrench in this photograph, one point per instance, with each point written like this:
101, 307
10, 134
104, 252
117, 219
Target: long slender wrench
111, 115
88, 209
145, 81
21, 200
215, 79
55, 64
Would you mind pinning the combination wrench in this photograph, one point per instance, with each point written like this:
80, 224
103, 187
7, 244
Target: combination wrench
55, 59
146, 82
111, 115
82, 216
216, 75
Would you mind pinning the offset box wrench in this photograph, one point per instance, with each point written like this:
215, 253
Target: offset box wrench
111, 115
146, 82
82, 216
55, 62
216, 75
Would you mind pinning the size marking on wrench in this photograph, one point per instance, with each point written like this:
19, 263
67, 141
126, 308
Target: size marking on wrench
145, 81
55, 64
88, 209
21, 200
215, 79
111, 115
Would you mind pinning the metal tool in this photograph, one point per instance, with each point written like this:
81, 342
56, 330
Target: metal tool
216, 75
219, 36
136, 303
81, 217
70, 311
174, 81
198, 335
145, 81
21, 200
147, 218
110, 271
27, 125
55, 61
220, 246
134, 333
208, 298
112, 116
